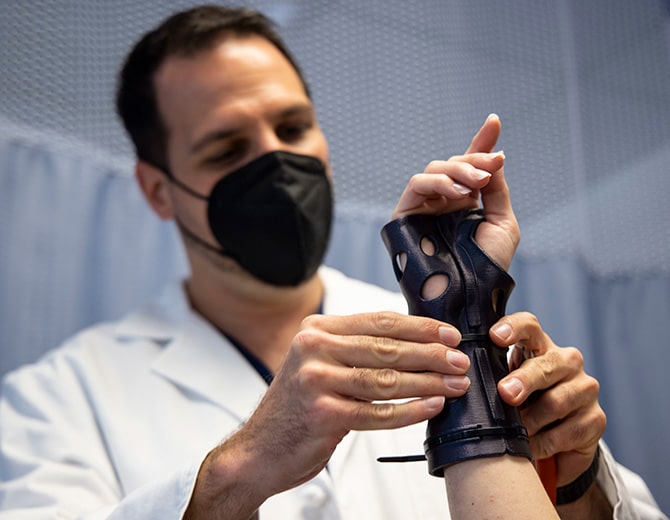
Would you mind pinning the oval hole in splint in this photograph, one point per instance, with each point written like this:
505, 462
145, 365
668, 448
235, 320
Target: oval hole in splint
428, 246
434, 286
401, 261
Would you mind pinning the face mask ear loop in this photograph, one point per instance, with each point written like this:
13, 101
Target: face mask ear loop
170, 176
199, 240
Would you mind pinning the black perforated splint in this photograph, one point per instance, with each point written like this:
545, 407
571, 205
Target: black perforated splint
479, 424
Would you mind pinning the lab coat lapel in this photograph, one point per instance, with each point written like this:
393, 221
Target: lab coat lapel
195, 356
200, 359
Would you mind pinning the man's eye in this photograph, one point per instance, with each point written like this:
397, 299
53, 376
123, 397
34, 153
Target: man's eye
226, 156
293, 132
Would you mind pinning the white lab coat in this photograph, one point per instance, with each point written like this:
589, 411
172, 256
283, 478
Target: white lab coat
115, 423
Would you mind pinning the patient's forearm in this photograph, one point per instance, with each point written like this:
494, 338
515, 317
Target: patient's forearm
496, 487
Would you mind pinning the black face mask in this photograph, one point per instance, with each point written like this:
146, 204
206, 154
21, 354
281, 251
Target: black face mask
272, 215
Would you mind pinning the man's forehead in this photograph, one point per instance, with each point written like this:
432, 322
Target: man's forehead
232, 52
234, 63
198, 93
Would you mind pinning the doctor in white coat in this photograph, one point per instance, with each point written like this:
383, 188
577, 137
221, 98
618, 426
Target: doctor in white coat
263, 383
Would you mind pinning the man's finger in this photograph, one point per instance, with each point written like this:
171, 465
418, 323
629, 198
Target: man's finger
521, 329
386, 324
539, 373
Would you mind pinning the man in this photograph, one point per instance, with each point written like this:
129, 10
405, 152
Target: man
168, 413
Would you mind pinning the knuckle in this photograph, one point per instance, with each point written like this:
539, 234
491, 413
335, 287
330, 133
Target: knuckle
383, 383
313, 321
561, 406
532, 324
385, 320
587, 429
384, 412
600, 421
529, 317
566, 436
570, 434
545, 365
310, 375
434, 166
307, 341
579, 432
387, 381
385, 350
415, 181
592, 386
572, 398
588, 392
321, 411
574, 357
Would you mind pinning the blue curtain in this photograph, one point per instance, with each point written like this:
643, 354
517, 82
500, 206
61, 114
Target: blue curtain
79, 244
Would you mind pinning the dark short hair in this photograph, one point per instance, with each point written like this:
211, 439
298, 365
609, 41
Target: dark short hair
184, 33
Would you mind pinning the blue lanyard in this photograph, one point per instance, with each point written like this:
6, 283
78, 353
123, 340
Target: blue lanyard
258, 365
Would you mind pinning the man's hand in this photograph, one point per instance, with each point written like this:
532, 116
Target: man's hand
363, 372
560, 401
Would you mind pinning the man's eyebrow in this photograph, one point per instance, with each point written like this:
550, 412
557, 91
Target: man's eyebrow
225, 133
297, 109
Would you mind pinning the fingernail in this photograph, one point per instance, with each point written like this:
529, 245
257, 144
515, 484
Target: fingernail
435, 403
459, 383
513, 386
480, 175
495, 155
503, 331
463, 190
491, 116
458, 359
450, 336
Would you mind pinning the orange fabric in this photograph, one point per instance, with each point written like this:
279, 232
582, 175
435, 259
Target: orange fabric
546, 468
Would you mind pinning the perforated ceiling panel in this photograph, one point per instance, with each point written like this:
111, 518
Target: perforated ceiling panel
581, 87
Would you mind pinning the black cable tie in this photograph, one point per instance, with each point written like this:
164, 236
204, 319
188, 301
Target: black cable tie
402, 458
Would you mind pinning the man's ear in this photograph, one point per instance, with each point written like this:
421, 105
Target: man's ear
154, 185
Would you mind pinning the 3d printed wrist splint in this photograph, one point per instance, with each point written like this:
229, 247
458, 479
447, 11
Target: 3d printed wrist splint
479, 424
